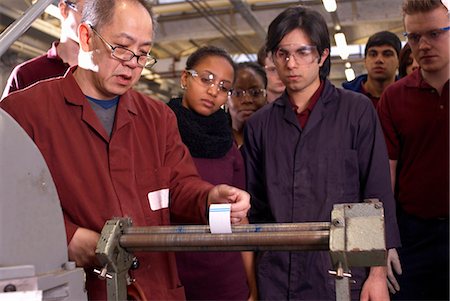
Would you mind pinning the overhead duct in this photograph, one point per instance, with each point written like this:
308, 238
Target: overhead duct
206, 11
246, 13
19, 26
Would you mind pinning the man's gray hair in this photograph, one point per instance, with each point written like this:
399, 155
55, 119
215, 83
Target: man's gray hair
99, 13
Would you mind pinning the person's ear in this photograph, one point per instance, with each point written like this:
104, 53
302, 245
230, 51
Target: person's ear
85, 37
183, 79
323, 57
63, 9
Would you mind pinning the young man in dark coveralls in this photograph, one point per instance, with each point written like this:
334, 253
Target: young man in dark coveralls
415, 118
115, 152
313, 147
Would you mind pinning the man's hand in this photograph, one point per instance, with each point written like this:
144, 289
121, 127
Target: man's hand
239, 200
375, 288
82, 247
393, 264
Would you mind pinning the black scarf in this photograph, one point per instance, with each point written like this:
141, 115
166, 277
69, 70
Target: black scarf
205, 136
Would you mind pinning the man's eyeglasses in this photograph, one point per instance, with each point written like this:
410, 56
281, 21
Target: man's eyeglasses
125, 54
303, 54
270, 69
207, 80
71, 5
254, 93
431, 35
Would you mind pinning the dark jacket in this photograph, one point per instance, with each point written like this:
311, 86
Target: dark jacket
296, 175
356, 84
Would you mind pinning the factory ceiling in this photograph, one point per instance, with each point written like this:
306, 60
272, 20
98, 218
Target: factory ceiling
239, 26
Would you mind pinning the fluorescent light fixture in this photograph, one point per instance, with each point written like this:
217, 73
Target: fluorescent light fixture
341, 43
169, 1
150, 75
330, 5
350, 74
53, 10
353, 49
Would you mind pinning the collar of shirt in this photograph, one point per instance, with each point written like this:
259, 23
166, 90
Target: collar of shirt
74, 95
304, 115
52, 53
415, 80
374, 99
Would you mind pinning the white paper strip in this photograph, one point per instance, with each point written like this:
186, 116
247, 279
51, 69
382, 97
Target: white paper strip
21, 296
219, 218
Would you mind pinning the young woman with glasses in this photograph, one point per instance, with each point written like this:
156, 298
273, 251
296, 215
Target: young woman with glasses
248, 96
203, 124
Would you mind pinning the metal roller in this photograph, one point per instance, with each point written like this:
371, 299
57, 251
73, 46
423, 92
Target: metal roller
251, 228
241, 241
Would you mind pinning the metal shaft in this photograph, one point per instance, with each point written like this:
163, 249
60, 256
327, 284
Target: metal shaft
286, 237
249, 228
18, 27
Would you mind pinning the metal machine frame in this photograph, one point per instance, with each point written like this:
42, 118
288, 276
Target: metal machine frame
355, 238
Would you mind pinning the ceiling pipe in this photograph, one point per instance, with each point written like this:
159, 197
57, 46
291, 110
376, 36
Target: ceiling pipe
177, 7
38, 24
227, 32
18, 27
246, 13
208, 12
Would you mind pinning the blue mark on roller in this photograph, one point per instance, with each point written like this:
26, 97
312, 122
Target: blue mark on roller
219, 209
180, 230
257, 229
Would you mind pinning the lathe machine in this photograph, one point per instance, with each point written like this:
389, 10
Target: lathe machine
34, 263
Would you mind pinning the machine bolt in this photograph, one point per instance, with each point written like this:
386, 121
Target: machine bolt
135, 264
9, 288
340, 274
337, 223
102, 274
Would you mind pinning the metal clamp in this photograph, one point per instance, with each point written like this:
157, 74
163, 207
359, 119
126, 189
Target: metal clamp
115, 260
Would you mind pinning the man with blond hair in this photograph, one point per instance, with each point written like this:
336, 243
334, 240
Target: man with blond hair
415, 118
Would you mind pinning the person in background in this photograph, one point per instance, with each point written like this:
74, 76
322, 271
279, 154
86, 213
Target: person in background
312, 148
115, 152
407, 63
204, 128
381, 62
248, 96
275, 86
414, 114
58, 58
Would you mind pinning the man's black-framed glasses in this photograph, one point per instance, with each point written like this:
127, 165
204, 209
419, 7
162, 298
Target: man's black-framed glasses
125, 54
430, 35
208, 79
